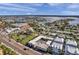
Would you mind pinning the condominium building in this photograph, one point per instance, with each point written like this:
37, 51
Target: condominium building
71, 47
57, 45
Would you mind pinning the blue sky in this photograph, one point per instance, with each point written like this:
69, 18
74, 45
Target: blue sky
39, 9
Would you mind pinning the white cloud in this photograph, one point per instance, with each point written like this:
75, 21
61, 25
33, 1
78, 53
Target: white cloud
54, 4
37, 4
17, 7
29, 13
73, 6
70, 13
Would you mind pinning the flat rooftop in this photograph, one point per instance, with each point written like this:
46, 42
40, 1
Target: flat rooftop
71, 42
42, 42
58, 43
71, 47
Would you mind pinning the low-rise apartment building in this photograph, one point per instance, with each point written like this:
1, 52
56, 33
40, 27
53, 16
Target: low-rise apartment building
71, 47
57, 45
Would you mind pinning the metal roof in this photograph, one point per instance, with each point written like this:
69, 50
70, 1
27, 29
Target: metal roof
57, 45
71, 42
71, 50
59, 39
71, 47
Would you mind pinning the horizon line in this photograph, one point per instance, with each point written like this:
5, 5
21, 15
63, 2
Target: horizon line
46, 15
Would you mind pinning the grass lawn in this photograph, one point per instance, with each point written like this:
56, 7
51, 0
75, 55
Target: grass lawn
14, 36
27, 39
22, 40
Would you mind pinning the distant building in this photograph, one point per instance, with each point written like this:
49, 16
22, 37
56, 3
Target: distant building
57, 45
71, 47
9, 30
52, 34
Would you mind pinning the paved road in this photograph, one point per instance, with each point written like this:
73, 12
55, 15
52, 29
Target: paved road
17, 46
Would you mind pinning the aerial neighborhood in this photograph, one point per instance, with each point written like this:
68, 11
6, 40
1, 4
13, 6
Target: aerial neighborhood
39, 35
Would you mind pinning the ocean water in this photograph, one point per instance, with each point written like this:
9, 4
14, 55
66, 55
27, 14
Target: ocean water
74, 22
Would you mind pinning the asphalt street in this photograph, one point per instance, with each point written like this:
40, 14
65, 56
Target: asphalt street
17, 46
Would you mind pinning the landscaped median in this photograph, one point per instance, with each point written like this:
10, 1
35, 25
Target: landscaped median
6, 50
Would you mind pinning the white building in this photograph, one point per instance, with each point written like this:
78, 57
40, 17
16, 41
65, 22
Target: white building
41, 42
9, 30
71, 42
57, 39
57, 45
71, 47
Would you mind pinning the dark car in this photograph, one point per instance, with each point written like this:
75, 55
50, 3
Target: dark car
25, 48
